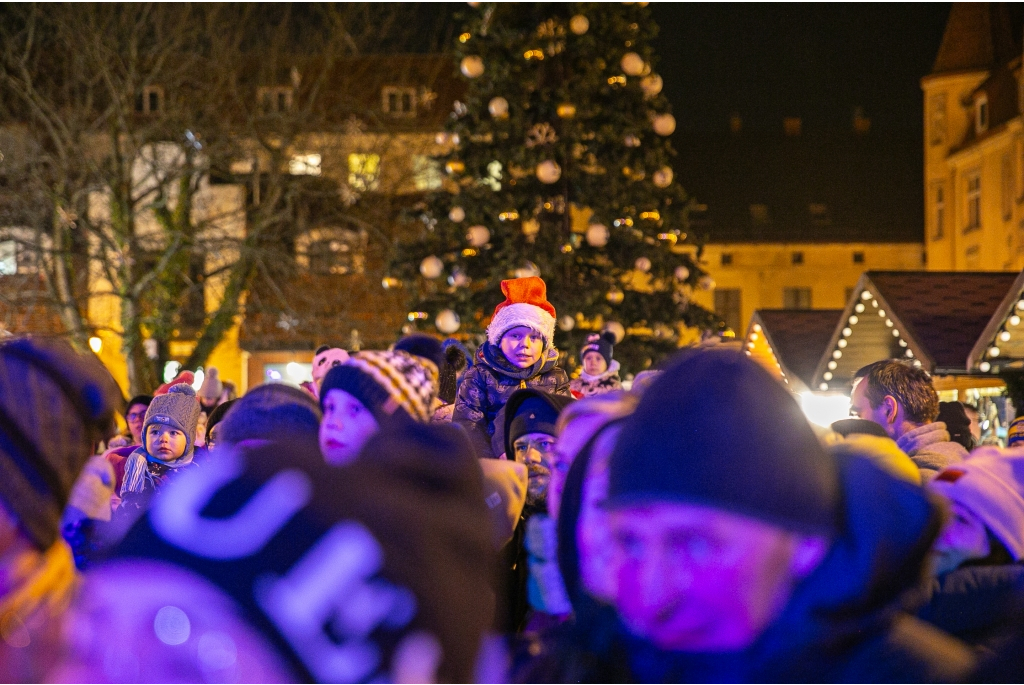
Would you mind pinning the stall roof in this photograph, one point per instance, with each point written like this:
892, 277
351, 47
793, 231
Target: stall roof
1003, 335
932, 317
791, 341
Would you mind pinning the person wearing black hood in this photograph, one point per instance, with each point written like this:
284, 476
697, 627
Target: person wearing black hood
742, 551
528, 433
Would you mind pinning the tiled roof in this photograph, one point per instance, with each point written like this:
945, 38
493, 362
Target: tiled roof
799, 336
979, 35
943, 312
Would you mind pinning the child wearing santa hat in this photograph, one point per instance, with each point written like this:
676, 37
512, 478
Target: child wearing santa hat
519, 353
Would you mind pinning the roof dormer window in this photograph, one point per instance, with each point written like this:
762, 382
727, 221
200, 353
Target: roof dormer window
276, 100
981, 114
398, 101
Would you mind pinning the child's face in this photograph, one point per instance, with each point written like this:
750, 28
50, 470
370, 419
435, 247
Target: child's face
594, 364
166, 443
346, 427
522, 346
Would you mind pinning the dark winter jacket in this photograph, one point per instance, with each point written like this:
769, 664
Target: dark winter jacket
487, 386
978, 604
842, 623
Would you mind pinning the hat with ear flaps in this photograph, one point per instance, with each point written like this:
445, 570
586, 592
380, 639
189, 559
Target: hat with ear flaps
601, 343
526, 304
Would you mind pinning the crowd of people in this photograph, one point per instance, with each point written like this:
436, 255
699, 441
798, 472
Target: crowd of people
430, 514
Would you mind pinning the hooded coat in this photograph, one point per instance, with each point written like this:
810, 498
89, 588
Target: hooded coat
843, 623
487, 386
587, 385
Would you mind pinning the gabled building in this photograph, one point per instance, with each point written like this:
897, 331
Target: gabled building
790, 343
974, 142
934, 319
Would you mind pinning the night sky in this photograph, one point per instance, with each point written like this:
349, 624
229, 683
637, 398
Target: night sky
816, 61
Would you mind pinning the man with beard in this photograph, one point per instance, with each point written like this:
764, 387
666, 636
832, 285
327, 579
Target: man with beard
529, 438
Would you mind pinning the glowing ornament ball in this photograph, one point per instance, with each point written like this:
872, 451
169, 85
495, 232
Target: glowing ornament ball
531, 227
642, 264
663, 177
472, 66
498, 107
579, 24
478, 236
431, 267
615, 296
457, 214
707, 283
447, 321
567, 323
632, 64
566, 110
616, 329
597, 235
548, 171
651, 85
664, 124
454, 166
682, 273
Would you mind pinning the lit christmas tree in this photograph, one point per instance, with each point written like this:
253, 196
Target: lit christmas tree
559, 166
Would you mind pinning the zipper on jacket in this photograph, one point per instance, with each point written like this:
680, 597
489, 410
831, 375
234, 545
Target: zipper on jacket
522, 384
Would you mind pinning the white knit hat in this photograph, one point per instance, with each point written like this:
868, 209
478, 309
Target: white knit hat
526, 304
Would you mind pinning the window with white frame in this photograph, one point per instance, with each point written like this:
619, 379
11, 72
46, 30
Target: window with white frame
150, 100
973, 203
305, 165
398, 101
981, 114
332, 250
937, 122
276, 99
364, 171
426, 172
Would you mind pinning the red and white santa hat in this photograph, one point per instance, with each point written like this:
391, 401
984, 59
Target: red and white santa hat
526, 304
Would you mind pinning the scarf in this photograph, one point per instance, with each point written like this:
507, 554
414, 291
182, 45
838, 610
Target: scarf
493, 357
140, 467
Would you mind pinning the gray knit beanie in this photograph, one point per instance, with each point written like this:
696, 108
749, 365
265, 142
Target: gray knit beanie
179, 409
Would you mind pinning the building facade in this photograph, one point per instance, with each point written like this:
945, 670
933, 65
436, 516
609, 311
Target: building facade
974, 143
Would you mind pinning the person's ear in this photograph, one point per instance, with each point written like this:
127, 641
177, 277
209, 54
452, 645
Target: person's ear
808, 552
892, 408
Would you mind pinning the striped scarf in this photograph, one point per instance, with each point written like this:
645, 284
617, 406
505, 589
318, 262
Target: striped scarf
137, 473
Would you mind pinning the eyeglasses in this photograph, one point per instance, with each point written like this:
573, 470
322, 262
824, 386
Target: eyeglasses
522, 446
135, 415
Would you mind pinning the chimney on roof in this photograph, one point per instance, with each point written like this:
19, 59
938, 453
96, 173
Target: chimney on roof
792, 126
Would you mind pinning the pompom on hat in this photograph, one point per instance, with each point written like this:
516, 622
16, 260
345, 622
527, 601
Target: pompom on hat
526, 304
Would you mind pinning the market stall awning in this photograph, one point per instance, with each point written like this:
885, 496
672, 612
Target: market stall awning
934, 318
1001, 345
790, 342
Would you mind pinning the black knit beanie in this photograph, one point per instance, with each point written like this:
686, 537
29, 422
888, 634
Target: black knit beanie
337, 566
268, 410
55, 405
527, 411
716, 429
601, 343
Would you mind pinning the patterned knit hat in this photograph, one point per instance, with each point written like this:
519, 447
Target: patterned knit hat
526, 304
179, 409
386, 381
601, 343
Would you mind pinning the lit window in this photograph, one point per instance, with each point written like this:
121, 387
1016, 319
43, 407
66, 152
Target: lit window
337, 251
940, 212
973, 201
8, 257
426, 172
398, 102
305, 165
759, 214
150, 100
363, 171
277, 99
